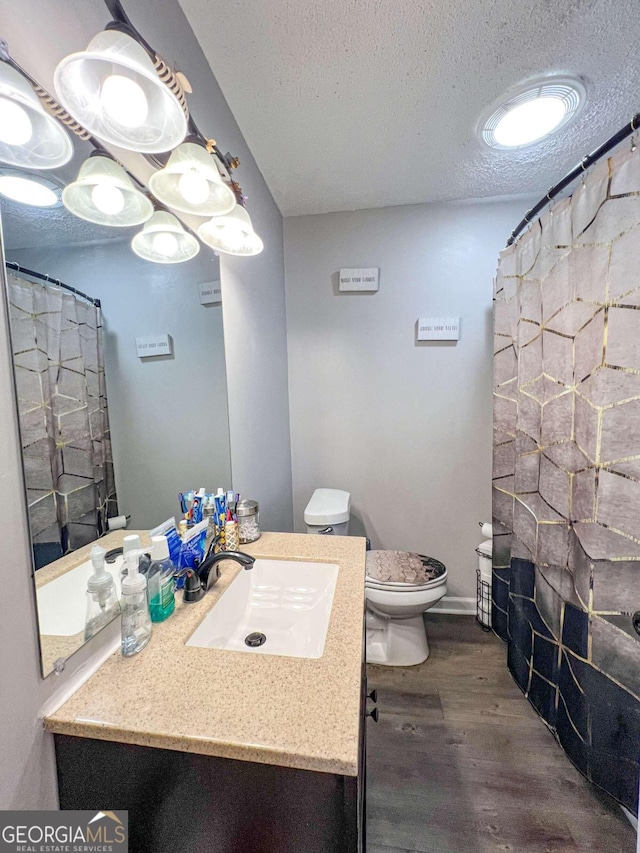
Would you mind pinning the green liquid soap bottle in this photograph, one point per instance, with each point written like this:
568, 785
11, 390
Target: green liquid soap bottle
161, 581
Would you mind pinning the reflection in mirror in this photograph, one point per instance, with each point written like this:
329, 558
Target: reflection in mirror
106, 432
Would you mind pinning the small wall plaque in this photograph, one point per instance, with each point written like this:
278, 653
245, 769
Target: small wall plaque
154, 345
359, 279
439, 329
210, 292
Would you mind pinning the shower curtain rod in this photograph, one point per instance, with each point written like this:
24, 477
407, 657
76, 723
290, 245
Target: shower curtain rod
584, 164
14, 266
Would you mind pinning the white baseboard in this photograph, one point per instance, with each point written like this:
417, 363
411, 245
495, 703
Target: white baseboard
455, 606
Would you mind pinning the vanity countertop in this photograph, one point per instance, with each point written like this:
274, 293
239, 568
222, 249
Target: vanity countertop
292, 712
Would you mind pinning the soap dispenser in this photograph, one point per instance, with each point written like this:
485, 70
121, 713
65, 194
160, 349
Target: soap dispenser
136, 620
102, 600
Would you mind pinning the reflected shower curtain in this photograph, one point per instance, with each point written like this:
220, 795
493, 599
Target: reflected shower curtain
566, 470
64, 424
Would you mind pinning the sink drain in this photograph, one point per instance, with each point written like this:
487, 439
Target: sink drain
256, 638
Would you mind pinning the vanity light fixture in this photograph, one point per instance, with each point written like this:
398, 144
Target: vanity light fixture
29, 136
231, 234
29, 189
163, 240
191, 182
114, 91
103, 193
532, 112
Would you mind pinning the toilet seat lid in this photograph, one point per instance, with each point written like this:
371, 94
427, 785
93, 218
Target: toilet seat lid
399, 586
403, 567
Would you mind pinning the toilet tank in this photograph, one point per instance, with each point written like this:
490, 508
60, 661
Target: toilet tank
328, 508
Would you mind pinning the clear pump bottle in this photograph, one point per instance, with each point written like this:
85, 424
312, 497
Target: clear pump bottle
136, 620
102, 599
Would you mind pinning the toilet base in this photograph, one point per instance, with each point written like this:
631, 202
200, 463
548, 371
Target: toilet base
396, 642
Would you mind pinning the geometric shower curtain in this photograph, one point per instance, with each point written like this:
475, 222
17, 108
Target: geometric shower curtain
566, 470
64, 424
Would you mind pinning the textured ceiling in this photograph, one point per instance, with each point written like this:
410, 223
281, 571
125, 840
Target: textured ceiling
350, 104
24, 227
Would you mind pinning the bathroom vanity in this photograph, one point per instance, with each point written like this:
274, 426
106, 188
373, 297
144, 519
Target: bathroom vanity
212, 749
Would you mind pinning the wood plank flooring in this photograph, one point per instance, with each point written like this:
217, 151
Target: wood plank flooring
459, 762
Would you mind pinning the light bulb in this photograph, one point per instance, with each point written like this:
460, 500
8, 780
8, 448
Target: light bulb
194, 187
108, 199
15, 124
124, 101
530, 121
165, 244
27, 191
232, 238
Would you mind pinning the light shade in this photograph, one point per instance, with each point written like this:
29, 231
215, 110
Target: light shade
231, 234
113, 90
28, 189
191, 182
163, 240
533, 111
29, 136
105, 194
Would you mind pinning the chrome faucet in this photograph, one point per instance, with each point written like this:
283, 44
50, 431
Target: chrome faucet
200, 579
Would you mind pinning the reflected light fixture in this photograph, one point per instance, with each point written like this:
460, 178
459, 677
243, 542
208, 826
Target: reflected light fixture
532, 112
29, 189
231, 234
113, 90
103, 193
29, 136
191, 183
163, 240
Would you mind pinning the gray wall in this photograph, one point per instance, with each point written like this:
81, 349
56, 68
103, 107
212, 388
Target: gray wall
168, 415
405, 427
252, 288
40, 34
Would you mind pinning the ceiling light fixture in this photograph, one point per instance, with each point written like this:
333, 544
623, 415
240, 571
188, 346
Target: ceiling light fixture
191, 183
28, 189
532, 112
231, 234
103, 193
29, 137
163, 240
113, 89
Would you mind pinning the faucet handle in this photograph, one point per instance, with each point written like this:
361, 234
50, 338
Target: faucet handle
193, 589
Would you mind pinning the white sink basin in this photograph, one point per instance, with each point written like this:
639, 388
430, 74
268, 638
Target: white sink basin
62, 603
288, 602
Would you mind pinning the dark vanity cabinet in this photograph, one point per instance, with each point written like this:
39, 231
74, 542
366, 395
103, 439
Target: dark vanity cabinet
181, 802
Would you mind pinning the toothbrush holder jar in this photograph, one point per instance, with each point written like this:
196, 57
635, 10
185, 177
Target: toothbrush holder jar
248, 513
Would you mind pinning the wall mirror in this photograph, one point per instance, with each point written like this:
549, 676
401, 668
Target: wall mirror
104, 432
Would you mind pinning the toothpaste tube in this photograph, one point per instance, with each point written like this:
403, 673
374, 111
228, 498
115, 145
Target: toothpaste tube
219, 516
196, 509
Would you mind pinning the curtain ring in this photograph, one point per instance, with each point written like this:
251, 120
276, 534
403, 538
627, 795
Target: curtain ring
584, 169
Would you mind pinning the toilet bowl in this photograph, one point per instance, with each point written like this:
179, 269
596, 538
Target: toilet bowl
394, 608
396, 634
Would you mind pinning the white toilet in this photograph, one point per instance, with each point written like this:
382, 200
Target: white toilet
395, 628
